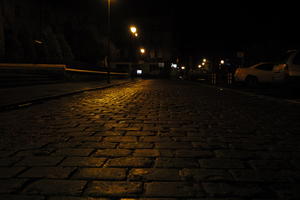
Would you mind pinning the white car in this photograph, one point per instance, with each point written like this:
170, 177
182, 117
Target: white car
258, 73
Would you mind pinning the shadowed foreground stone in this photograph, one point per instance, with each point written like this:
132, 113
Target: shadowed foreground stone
56, 187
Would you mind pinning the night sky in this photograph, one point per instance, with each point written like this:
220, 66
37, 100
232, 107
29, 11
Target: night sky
222, 26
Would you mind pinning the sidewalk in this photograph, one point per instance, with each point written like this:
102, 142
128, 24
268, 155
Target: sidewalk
27, 95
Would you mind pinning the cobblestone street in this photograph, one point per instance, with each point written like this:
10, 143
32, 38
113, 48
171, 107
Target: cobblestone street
152, 140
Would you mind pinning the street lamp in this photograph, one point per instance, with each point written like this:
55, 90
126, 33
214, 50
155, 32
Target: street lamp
133, 30
142, 50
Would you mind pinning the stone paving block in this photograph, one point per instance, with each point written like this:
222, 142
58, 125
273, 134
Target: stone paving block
136, 145
7, 153
9, 172
76, 198
173, 189
73, 152
21, 197
11, 185
236, 154
166, 162
129, 162
156, 139
48, 172
190, 139
286, 190
236, 190
148, 199
113, 189
56, 187
146, 153
112, 153
83, 162
166, 153
35, 152
6, 162
140, 133
270, 164
173, 145
98, 145
221, 164
87, 139
205, 175
100, 173
109, 133
40, 161
209, 146
194, 153
120, 139
154, 174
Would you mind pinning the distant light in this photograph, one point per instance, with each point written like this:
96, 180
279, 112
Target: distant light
222, 62
133, 29
161, 64
136, 34
142, 50
199, 66
183, 67
139, 72
173, 65
203, 63
204, 60
38, 41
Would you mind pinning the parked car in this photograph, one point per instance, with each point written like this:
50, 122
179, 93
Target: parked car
288, 69
258, 73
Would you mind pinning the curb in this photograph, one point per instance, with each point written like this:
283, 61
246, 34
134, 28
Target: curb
251, 94
47, 98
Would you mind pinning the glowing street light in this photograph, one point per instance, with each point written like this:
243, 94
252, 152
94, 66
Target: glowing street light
199, 66
222, 62
142, 50
204, 60
133, 30
183, 67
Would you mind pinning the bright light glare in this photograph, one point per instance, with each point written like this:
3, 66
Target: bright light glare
222, 62
139, 72
204, 60
133, 29
199, 66
142, 50
183, 67
174, 65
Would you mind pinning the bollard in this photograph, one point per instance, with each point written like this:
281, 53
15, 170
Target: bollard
214, 78
229, 78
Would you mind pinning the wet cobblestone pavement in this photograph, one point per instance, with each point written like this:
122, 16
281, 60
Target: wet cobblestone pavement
152, 140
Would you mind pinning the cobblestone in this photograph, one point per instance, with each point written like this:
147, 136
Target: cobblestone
56, 187
102, 189
83, 162
101, 173
151, 140
154, 174
48, 172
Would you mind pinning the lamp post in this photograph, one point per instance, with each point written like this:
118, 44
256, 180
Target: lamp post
134, 35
